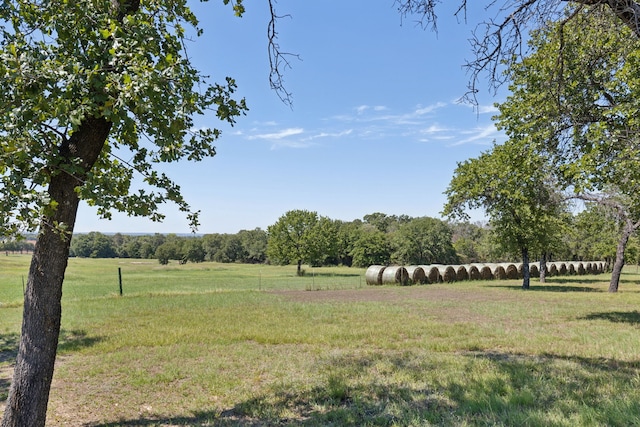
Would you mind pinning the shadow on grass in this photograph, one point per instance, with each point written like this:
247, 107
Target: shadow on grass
9, 343
9, 347
576, 280
630, 317
548, 287
472, 388
328, 274
75, 340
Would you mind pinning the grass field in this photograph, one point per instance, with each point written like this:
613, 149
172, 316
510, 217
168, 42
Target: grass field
224, 345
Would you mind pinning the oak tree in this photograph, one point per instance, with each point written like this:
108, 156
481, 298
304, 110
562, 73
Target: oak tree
576, 97
91, 92
511, 184
301, 236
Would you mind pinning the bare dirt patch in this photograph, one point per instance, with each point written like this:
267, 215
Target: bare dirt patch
392, 295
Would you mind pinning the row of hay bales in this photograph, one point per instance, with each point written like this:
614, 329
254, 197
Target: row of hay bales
436, 273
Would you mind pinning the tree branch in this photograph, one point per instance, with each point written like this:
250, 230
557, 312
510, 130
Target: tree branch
278, 60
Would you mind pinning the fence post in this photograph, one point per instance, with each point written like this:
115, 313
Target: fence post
120, 279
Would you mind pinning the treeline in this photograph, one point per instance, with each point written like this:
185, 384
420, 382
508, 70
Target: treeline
20, 246
375, 239
243, 247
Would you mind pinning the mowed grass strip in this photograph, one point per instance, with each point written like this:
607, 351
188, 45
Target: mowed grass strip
221, 345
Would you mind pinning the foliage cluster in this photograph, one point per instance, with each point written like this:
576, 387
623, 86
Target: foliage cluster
376, 239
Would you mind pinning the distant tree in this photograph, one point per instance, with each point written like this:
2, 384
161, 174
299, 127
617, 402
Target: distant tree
372, 247
347, 236
513, 186
299, 236
424, 241
324, 242
212, 243
378, 220
386, 223
231, 250
163, 254
192, 250
92, 245
467, 241
171, 249
132, 247
254, 244
593, 234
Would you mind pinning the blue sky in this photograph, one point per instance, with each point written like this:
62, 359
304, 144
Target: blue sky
376, 125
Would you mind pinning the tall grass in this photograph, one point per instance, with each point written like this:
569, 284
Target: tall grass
223, 345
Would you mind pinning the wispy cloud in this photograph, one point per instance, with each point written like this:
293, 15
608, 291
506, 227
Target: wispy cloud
480, 135
332, 134
279, 135
438, 122
363, 108
421, 111
486, 109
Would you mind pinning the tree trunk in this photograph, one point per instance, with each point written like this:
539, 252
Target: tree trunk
619, 262
526, 276
29, 392
543, 268
299, 271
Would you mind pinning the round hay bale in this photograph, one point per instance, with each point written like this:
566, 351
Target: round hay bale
373, 276
580, 269
486, 273
571, 268
562, 270
474, 272
432, 272
395, 275
589, 268
534, 271
416, 274
462, 273
498, 271
447, 273
511, 271
552, 269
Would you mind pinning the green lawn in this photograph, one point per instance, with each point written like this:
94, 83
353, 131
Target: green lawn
226, 344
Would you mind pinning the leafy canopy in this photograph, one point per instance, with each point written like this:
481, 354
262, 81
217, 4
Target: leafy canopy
66, 62
577, 97
514, 186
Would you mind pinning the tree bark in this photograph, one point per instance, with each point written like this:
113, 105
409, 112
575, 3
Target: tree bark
526, 275
627, 231
299, 270
543, 268
29, 391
